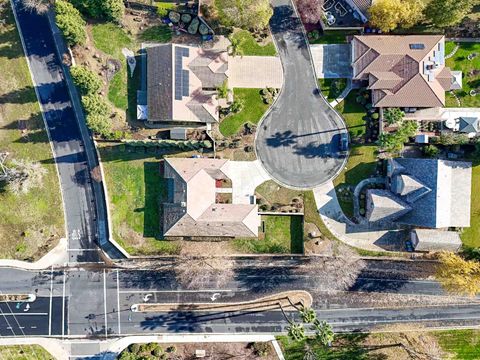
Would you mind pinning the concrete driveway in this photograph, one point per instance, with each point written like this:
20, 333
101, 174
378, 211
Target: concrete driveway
298, 140
332, 60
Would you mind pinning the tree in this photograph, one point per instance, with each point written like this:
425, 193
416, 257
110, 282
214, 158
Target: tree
70, 22
444, 13
86, 80
310, 11
457, 275
95, 104
431, 150
453, 139
39, 6
323, 332
99, 124
222, 90
111, 10
393, 115
245, 14
387, 15
296, 331
235, 47
393, 142
308, 315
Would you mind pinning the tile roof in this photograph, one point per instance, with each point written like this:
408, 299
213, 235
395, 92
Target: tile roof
191, 210
402, 71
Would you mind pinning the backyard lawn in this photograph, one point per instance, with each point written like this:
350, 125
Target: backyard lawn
283, 235
456, 345
353, 113
24, 352
250, 47
252, 112
135, 191
334, 37
471, 235
470, 72
30, 223
332, 88
360, 165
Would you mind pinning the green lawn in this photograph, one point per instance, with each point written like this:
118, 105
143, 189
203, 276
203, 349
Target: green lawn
250, 46
471, 235
360, 165
252, 112
353, 113
334, 37
24, 352
458, 344
460, 62
110, 39
28, 220
332, 88
159, 34
135, 190
283, 235
462, 344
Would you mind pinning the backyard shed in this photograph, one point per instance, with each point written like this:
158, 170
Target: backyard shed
178, 134
435, 240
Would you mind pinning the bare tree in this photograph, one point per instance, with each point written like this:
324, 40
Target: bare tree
38, 6
311, 11
204, 272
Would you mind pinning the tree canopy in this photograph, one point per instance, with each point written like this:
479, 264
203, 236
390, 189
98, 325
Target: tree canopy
444, 13
70, 22
245, 14
393, 115
387, 15
111, 10
310, 11
85, 79
393, 142
457, 275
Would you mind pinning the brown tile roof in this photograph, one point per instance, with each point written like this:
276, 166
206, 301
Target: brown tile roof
191, 209
402, 71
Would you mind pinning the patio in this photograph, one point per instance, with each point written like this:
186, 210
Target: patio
339, 13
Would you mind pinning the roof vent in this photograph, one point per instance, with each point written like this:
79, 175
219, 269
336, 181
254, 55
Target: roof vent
183, 204
417, 46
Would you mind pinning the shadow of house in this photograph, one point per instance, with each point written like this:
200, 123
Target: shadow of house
155, 194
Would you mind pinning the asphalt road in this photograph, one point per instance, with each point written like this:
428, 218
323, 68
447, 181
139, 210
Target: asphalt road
66, 138
298, 141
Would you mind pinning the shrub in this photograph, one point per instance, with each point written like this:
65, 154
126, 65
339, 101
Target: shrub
261, 348
99, 124
453, 139
375, 116
162, 11
222, 90
86, 80
171, 349
393, 115
237, 106
251, 14
95, 104
70, 22
134, 348
431, 151
111, 10
157, 351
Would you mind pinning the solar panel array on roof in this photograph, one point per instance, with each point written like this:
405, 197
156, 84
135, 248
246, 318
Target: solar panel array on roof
182, 77
417, 46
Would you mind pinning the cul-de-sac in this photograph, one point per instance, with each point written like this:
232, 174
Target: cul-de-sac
239, 179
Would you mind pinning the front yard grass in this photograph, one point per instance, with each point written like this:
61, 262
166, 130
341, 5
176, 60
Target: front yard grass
31, 223
135, 193
471, 235
353, 113
462, 344
360, 165
460, 61
332, 88
283, 235
334, 37
250, 47
24, 352
252, 112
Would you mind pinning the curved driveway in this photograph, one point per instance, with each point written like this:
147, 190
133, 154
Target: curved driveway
298, 140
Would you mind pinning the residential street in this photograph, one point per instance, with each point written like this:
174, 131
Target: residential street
68, 145
298, 141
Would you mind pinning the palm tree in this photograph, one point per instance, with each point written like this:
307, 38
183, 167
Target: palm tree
323, 332
296, 331
235, 47
308, 315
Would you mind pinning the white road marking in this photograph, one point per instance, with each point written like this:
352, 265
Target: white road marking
82, 250
176, 291
25, 314
105, 300
50, 306
118, 304
33, 327
63, 304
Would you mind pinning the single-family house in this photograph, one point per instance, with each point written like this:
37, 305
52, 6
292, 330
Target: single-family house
192, 209
405, 71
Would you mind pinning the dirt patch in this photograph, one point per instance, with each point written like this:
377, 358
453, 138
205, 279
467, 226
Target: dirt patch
274, 302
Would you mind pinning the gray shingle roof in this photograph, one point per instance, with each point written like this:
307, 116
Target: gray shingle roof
382, 205
159, 83
468, 124
436, 240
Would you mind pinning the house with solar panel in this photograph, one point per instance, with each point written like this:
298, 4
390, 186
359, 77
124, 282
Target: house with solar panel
407, 71
182, 82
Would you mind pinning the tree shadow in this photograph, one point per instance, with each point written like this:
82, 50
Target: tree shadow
287, 138
134, 84
155, 192
19, 96
11, 37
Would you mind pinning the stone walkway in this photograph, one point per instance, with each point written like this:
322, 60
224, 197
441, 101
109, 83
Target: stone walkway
360, 236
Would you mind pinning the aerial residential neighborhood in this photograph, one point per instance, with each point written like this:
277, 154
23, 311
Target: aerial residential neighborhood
255, 179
